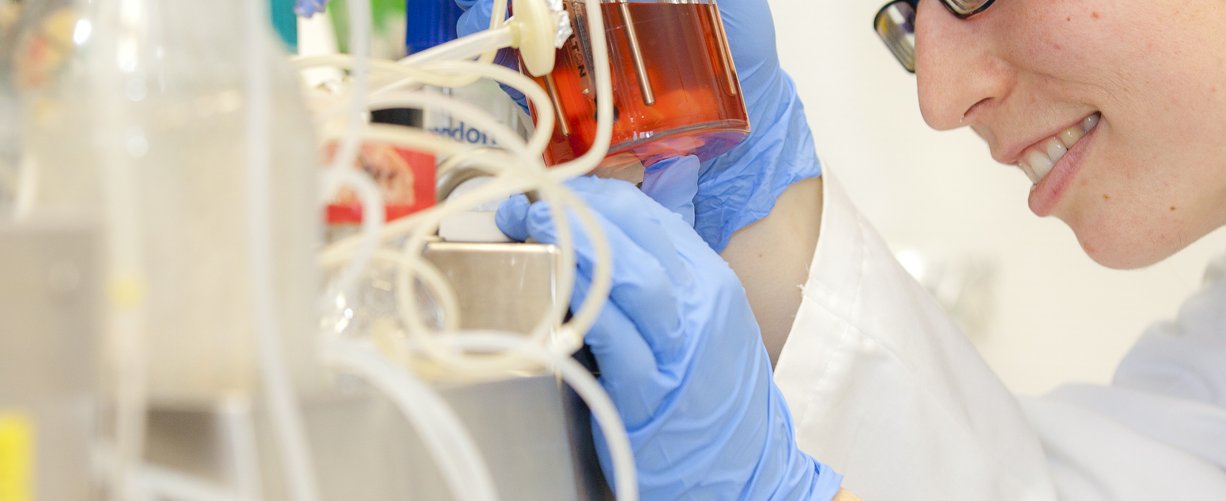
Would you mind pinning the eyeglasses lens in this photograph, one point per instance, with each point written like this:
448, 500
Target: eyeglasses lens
965, 7
895, 24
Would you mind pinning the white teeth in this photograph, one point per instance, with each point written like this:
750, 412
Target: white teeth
1040, 164
1089, 122
1071, 135
1055, 148
1029, 172
1038, 161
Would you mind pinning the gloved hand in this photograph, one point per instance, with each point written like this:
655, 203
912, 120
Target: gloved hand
308, 8
680, 355
476, 17
740, 186
673, 182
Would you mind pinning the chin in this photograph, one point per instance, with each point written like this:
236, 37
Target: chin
1121, 259
1128, 250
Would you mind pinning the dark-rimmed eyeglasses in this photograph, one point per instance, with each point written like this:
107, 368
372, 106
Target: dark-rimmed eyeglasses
895, 24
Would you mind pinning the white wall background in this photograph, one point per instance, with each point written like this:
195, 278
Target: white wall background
1048, 314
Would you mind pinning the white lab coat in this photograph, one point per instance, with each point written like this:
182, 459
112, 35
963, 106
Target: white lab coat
885, 388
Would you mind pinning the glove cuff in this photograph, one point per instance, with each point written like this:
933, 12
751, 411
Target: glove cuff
740, 187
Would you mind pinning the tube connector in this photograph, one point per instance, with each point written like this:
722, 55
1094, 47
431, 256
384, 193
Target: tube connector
540, 27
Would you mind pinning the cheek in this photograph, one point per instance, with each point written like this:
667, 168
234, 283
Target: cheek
1159, 180
1129, 213
1162, 93
1087, 42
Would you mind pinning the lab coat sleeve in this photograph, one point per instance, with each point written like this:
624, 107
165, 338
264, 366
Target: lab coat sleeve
1159, 430
885, 388
1185, 358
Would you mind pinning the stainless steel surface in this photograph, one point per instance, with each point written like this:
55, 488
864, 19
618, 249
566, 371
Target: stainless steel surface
49, 340
500, 286
533, 433
534, 436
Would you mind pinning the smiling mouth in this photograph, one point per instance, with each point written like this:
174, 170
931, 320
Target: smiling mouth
1037, 161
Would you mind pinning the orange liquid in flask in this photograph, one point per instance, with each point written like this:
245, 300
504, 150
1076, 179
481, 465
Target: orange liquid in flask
675, 90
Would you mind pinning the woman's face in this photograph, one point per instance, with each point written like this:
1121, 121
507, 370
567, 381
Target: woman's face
1116, 107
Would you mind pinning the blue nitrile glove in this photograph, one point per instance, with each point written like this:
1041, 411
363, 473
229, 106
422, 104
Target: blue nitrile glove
308, 8
673, 182
476, 18
680, 355
740, 187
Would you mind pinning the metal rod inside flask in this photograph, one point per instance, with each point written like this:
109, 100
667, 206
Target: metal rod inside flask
552, 88
636, 53
722, 46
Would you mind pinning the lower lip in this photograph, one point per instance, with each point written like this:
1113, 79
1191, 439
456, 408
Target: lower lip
1045, 195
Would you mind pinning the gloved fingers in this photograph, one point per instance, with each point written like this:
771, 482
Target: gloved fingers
647, 224
751, 40
627, 363
476, 16
659, 231
606, 197
641, 287
673, 183
751, 36
615, 202
512, 218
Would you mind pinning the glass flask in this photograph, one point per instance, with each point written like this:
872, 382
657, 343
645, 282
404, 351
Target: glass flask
143, 128
675, 88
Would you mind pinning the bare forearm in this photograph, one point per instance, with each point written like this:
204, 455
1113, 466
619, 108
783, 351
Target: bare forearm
772, 258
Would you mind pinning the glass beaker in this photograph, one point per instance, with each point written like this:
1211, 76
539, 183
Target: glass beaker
675, 89
142, 127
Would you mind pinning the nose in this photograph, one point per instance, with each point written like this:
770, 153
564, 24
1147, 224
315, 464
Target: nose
959, 73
